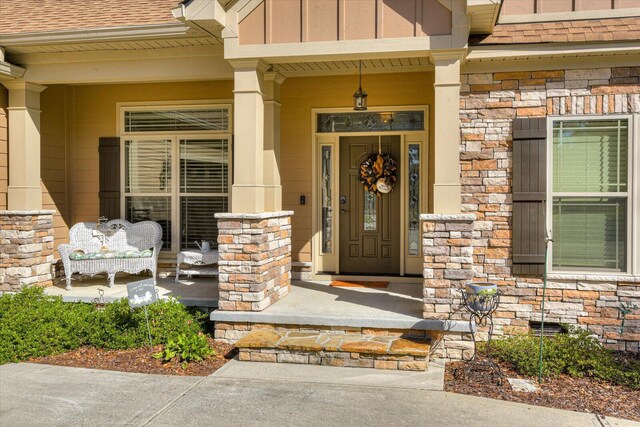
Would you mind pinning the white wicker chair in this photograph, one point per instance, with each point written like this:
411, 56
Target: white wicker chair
120, 246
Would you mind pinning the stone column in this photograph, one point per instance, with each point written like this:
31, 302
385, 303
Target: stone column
273, 188
248, 191
255, 259
446, 185
26, 249
24, 192
447, 246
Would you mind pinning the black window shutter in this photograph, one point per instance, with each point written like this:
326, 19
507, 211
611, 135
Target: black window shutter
109, 149
529, 194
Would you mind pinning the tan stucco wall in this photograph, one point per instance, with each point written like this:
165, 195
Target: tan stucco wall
299, 97
53, 158
4, 148
94, 116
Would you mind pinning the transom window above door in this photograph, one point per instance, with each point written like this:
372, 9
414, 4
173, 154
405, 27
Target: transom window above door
176, 171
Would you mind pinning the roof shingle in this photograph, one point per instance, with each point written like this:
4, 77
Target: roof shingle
34, 16
593, 30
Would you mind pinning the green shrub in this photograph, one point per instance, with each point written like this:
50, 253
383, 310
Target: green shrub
576, 353
33, 324
187, 348
117, 327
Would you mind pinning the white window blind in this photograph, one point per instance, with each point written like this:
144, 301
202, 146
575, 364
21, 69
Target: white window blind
204, 166
148, 166
196, 219
204, 186
177, 180
590, 178
590, 156
206, 119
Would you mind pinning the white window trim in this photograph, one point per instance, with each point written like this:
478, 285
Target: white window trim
633, 202
175, 137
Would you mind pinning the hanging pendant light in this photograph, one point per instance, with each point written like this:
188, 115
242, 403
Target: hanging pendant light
360, 97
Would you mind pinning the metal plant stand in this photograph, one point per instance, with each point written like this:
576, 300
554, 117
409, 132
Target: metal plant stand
481, 307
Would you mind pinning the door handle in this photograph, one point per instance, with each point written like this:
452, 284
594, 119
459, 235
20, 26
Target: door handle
343, 211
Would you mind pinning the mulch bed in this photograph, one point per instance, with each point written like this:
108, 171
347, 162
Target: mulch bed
564, 392
139, 360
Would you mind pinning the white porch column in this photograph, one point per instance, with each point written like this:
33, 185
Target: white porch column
446, 185
24, 192
248, 191
273, 188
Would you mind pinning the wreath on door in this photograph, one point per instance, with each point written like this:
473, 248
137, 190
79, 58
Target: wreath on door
378, 173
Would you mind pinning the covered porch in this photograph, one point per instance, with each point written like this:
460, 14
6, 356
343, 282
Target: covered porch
195, 291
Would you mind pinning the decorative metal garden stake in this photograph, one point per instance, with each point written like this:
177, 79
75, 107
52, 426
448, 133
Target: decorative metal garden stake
481, 306
547, 239
146, 316
360, 97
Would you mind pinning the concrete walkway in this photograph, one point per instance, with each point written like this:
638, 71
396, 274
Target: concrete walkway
41, 395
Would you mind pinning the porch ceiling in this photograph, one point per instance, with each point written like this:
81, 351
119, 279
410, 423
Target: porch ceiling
382, 65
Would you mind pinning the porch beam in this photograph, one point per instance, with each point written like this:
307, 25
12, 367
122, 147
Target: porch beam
24, 192
446, 186
273, 188
248, 191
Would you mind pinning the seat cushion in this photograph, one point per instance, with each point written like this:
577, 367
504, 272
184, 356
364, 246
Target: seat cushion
81, 256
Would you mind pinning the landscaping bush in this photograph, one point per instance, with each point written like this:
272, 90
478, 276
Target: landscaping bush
33, 324
187, 348
118, 327
576, 353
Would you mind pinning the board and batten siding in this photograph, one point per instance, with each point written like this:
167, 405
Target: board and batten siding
529, 194
294, 21
520, 7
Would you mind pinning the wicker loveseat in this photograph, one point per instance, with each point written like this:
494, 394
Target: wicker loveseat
115, 246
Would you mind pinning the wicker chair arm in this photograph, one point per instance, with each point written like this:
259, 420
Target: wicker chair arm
66, 250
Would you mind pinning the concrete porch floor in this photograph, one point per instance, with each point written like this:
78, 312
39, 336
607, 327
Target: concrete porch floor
197, 291
399, 306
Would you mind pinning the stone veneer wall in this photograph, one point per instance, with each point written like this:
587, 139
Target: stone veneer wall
232, 332
448, 261
26, 249
255, 259
489, 103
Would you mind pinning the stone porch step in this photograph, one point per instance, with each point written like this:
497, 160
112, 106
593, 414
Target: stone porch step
336, 349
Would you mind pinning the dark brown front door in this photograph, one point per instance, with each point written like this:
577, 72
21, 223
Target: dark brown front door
369, 224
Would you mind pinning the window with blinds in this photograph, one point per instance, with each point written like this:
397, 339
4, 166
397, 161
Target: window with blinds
590, 164
179, 182
204, 188
205, 119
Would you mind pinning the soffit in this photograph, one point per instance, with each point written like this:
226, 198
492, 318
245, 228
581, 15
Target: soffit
383, 65
128, 45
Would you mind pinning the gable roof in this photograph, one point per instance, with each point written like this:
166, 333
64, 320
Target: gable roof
35, 16
592, 30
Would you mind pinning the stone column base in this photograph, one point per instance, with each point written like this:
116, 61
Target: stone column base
26, 249
447, 246
255, 259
